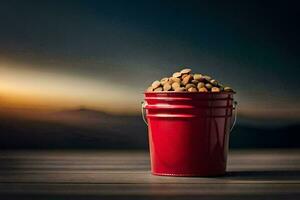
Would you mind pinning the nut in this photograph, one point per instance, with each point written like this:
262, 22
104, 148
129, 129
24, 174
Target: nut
183, 76
177, 74
174, 79
167, 87
195, 82
197, 77
170, 81
185, 71
189, 85
180, 89
187, 79
203, 89
200, 85
175, 85
192, 89
155, 84
228, 89
207, 78
215, 89
214, 82
208, 85
149, 89
164, 80
159, 89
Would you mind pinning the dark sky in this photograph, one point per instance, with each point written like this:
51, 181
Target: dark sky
250, 45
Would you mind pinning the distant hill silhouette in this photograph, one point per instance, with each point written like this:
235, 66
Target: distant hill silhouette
244, 136
84, 111
88, 128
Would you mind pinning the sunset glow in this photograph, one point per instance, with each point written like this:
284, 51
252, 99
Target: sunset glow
54, 90
49, 90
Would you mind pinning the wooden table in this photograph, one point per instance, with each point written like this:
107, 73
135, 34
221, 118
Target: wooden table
263, 174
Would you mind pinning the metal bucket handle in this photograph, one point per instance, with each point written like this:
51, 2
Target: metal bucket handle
234, 107
144, 112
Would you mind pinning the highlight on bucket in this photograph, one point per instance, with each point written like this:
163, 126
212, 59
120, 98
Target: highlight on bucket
189, 118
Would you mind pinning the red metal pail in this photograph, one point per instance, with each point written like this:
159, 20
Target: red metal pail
189, 132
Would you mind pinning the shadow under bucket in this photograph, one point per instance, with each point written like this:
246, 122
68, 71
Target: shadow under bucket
189, 132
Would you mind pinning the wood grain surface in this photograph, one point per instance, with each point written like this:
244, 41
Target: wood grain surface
259, 174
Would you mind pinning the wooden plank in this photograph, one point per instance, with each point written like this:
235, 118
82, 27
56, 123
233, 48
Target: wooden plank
96, 174
151, 189
147, 178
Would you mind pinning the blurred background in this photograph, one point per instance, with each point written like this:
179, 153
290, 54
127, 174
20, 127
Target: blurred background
72, 73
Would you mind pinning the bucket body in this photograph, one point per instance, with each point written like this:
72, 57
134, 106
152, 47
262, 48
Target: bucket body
188, 132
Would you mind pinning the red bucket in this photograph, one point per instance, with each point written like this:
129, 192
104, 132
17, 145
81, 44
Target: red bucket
189, 132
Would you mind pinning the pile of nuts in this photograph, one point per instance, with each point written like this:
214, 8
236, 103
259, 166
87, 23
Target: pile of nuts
184, 81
